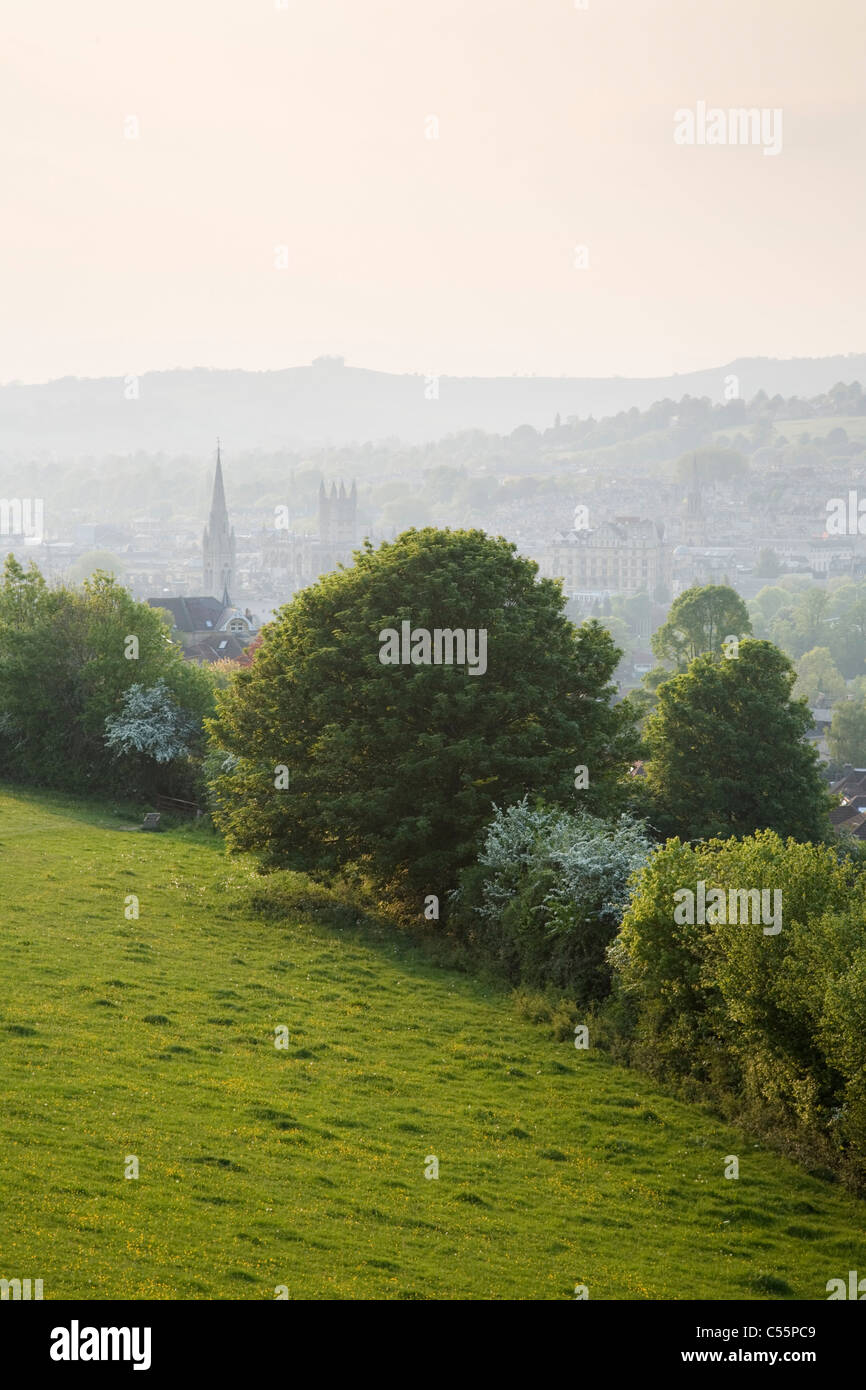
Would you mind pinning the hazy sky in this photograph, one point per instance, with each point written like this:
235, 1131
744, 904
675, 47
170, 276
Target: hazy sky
304, 127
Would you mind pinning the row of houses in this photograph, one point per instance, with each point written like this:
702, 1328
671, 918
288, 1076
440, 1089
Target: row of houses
850, 814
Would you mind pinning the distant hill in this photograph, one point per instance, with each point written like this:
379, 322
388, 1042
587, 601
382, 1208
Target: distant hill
330, 403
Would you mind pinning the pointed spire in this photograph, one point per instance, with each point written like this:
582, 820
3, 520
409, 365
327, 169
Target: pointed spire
226, 601
218, 541
218, 509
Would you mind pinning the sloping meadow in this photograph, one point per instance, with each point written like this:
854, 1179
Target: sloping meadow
204, 1100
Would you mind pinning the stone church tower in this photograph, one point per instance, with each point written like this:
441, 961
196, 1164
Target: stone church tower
218, 542
694, 521
338, 511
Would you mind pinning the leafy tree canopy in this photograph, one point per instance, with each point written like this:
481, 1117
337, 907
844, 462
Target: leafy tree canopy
727, 755
818, 675
395, 768
847, 736
699, 620
67, 659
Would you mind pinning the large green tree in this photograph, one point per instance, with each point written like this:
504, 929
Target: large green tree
395, 768
848, 628
818, 675
727, 755
847, 736
806, 616
67, 659
699, 620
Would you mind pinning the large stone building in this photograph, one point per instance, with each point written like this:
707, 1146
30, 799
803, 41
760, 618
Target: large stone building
624, 556
290, 561
338, 518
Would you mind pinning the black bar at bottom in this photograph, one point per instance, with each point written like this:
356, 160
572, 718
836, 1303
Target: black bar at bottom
155, 1338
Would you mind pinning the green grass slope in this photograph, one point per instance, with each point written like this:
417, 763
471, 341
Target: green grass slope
262, 1167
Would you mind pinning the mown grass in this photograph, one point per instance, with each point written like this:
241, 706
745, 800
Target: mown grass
262, 1167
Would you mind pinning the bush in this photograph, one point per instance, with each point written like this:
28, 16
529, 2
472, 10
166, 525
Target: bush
544, 1007
150, 722
547, 894
774, 1021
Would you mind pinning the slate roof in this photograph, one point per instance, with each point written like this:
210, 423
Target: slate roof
192, 614
223, 646
851, 813
852, 784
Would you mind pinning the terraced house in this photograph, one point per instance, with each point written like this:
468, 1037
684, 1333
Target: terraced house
623, 556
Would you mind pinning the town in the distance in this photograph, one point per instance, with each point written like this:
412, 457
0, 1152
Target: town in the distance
628, 511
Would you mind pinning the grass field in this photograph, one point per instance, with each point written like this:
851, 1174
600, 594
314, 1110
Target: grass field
821, 425
817, 426
262, 1167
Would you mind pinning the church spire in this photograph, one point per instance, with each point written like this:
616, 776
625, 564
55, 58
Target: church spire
218, 541
218, 509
